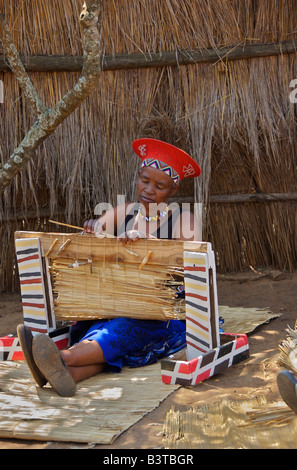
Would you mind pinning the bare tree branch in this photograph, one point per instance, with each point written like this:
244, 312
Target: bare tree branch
18, 68
49, 119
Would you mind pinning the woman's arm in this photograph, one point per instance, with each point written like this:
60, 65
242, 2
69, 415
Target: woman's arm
108, 222
113, 223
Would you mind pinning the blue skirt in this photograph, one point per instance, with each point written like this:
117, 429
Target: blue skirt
127, 341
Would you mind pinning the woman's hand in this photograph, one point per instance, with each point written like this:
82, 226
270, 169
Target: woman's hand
93, 226
130, 236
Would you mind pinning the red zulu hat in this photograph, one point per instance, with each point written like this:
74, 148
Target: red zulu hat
166, 157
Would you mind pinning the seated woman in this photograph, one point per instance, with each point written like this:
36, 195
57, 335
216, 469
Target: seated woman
111, 344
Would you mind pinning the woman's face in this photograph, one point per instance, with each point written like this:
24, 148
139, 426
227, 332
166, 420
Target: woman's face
154, 187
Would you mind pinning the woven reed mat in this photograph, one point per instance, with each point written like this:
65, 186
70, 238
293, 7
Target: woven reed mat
227, 424
103, 407
243, 320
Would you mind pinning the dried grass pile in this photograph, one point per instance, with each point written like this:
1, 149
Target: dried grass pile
232, 424
236, 117
288, 351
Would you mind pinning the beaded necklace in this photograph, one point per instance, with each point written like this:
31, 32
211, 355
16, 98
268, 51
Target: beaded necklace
157, 217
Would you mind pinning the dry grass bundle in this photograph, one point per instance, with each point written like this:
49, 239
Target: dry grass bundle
259, 235
52, 28
288, 351
44, 28
109, 290
252, 152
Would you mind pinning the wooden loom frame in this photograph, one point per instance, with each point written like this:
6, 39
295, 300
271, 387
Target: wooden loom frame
208, 351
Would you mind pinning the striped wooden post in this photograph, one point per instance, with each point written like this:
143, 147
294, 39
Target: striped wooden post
202, 317
208, 352
34, 283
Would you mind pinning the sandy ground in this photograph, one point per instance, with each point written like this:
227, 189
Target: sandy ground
253, 377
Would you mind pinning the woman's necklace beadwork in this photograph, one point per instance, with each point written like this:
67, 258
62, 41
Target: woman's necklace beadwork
157, 217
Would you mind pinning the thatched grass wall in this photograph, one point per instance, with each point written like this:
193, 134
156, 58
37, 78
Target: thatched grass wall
236, 119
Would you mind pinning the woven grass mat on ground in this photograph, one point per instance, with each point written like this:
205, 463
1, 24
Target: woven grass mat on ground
227, 424
244, 320
102, 408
